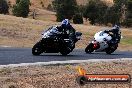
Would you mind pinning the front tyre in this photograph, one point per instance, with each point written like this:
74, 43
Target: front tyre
65, 52
89, 48
37, 49
111, 49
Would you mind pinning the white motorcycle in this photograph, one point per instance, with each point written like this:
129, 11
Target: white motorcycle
100, 43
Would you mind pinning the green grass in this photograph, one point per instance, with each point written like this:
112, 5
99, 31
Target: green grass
126, 41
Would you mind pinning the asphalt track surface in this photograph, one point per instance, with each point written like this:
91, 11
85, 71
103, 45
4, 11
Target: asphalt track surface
24, 55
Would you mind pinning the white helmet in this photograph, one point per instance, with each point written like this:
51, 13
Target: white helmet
65, 22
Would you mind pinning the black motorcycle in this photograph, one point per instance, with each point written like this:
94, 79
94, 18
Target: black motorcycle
54, 41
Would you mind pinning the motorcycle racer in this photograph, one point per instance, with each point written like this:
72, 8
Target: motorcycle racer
67, 28
115, 34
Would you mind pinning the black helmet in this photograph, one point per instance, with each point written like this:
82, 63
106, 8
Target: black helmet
116, 27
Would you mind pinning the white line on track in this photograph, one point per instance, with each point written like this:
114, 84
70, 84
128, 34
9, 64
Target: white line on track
5, 46
62, 62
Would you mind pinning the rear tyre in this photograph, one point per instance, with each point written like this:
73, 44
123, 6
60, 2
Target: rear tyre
89, 48
37, 49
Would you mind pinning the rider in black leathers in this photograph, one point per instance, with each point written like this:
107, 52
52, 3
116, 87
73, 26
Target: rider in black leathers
115, 34
66, 26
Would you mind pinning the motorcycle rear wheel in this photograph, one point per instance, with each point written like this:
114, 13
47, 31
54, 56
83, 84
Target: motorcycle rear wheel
37, 49
89, 48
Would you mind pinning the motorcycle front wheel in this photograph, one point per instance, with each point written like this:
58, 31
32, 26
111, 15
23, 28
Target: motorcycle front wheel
111, 49
89, 48
65, 52
37, 49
